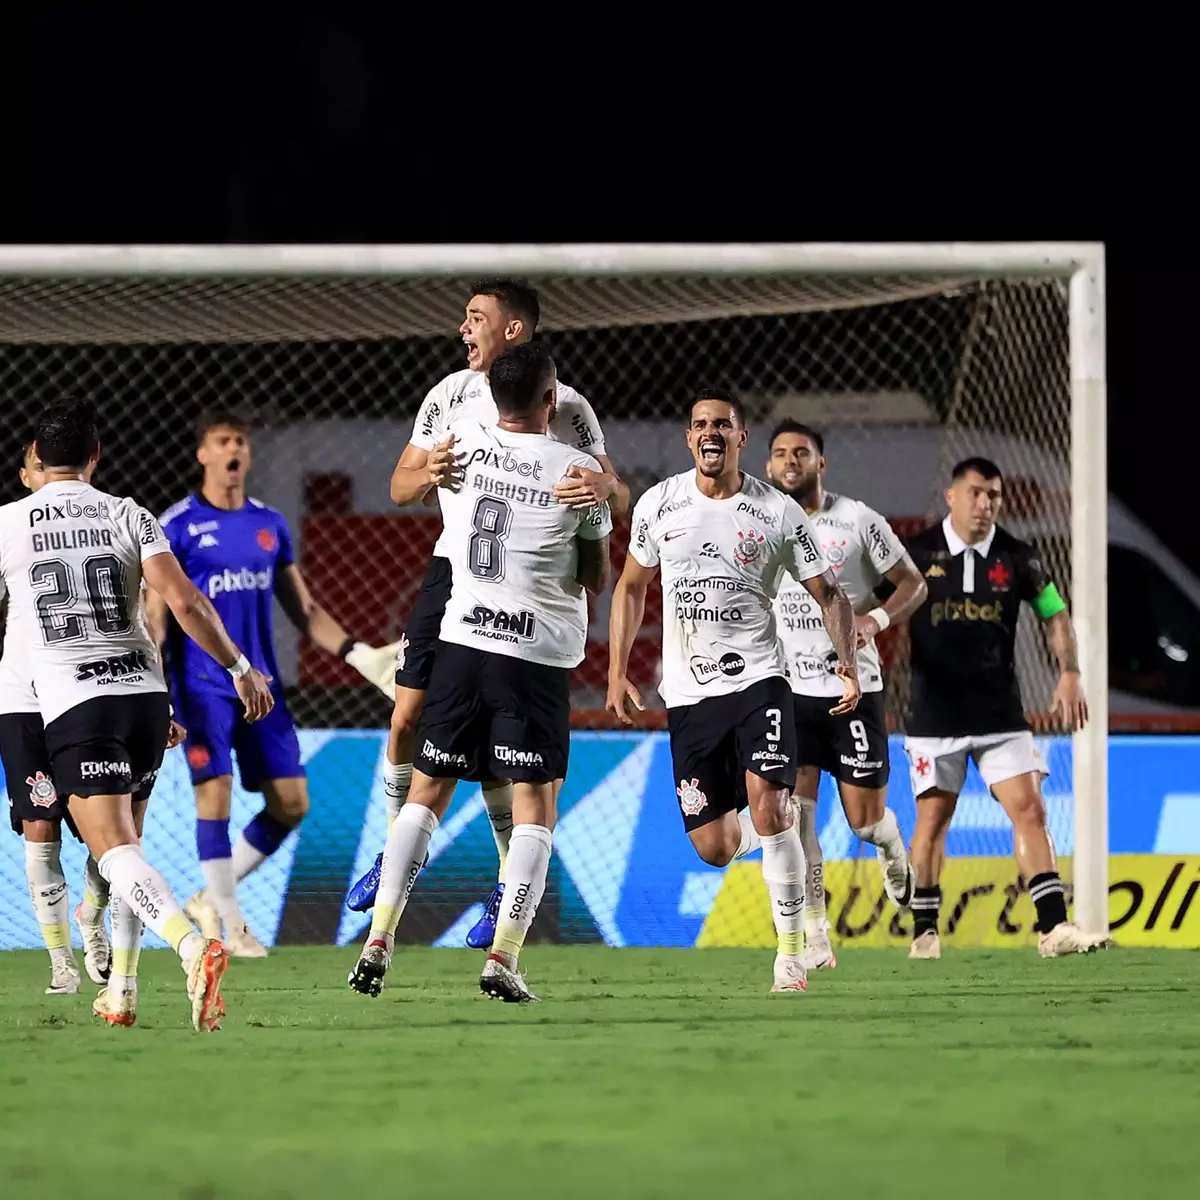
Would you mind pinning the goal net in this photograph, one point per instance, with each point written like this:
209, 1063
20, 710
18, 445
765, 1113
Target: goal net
906, 366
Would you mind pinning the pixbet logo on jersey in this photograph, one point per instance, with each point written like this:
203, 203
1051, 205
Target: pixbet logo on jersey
489, 458
244, 580
67, 510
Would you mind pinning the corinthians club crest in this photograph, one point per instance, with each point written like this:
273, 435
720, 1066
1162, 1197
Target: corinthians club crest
749, 546
691, 798
41, 791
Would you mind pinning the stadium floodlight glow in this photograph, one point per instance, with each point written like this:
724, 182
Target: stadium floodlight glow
1029, 359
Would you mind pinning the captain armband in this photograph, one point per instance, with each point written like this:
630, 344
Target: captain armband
1047, 603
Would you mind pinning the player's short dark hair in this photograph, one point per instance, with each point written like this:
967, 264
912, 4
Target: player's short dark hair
216, 415
981, 466
516, 297
66, 433
726, 397
519, 377
788, 425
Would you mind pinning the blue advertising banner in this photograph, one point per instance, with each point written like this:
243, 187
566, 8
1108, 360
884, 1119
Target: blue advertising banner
623, 871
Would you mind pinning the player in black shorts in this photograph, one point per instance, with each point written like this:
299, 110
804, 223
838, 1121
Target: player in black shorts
723, 541
498, 703
73, 560
852, 748
966, 700
500, 313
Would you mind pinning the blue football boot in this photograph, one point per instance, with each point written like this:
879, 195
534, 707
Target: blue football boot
483, 932
362, 894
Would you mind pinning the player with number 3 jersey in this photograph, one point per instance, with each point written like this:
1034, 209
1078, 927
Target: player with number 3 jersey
862, 551
723, 542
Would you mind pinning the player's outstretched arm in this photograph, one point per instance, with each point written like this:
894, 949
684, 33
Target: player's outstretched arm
377, 666
838, 616
626, 613
906, 593
200, 621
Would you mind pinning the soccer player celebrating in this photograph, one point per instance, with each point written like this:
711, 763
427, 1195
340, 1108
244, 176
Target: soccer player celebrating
966, 701
862, 551
37, 812
723, 541
238, 551
73, 560
500, 313
498, 704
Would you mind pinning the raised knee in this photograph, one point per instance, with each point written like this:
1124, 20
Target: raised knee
716, 855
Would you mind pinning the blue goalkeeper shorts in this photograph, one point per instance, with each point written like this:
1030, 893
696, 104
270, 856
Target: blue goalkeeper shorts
216, 728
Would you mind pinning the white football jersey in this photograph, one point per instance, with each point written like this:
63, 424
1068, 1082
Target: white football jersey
512, 547
16, 685
71, 557
721, 564
466, 395
861, 549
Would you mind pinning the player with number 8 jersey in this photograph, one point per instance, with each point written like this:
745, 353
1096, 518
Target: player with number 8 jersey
723, 542
498, 704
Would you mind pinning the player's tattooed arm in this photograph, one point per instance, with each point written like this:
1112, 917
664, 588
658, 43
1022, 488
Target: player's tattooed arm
156, 617
838, 615
626, 613
906, 594
202, 623
1069, 703
593, 568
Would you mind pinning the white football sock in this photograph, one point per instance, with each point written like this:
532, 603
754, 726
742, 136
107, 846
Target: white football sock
524, 886
403, 857
750, 838
95, 893
396, 782
48, 891
221, 889
885, 834
814, 861
499, 802
126, 947
783, 873
145, 891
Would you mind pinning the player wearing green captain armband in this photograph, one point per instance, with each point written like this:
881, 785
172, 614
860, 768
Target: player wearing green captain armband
966, 701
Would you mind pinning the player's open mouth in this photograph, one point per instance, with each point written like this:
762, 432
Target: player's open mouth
472, 351
791, 478
233, 466
710, 452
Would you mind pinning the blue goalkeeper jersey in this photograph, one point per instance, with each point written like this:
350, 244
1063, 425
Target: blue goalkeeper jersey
233, 558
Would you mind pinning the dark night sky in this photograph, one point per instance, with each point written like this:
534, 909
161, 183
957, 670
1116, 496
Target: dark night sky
322, 129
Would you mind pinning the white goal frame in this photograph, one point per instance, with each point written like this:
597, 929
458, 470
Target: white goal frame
1079, 264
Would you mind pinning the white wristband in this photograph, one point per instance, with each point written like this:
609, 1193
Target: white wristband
239, 668
880, 617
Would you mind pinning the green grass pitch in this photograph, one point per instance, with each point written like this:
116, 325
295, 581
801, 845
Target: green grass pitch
644, 1073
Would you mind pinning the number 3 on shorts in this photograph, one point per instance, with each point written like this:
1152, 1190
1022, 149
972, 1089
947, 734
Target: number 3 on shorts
775, 716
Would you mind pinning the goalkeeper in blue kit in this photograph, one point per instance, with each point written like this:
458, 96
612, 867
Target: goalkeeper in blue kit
239, 553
